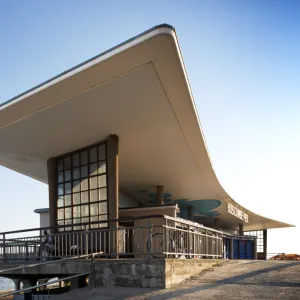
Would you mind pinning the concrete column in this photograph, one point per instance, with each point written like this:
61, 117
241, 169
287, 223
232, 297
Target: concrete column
17, 283
190, 213
255, 249
241, 229
52, 184
265, 240
217, 223
113, 188
160, 195
231, 249
77, 283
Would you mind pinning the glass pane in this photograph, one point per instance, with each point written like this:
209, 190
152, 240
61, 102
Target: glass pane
102, 167
60, 201
76, 198
93, 169
76, 212
77, 221
101, 152
94, 209
76, 186
85, 210
93, 183
67, 162
93, 195
60, 214
103, 207
60, 189
61, 223
67, 175
103, 194
68, 222
75, 160
93, 154
60, 177
94, 219
84, 157
68, 213
102, 181
84, 197
84, 185
84, 171
76, 173
60, 165
68, 228
68, 200
102, 218
68, 189
85, 220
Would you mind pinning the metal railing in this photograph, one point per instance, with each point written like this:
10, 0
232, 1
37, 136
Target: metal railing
91, 274
149, 236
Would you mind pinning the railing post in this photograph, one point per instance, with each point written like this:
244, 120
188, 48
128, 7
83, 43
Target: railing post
149, 238
189, 242
4, 250
86, 240
93, 273
167, 238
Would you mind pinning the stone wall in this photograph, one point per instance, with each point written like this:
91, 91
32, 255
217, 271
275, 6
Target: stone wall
148, 273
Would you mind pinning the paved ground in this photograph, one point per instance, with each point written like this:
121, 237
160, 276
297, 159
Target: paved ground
247, 280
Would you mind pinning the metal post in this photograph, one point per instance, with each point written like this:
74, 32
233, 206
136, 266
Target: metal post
160, 195
86, 240
206, 243
149, 238
4, 251
166, 238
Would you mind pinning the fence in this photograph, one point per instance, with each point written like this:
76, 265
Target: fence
150, 236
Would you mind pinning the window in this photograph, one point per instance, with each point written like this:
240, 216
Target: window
260, 239
82, 188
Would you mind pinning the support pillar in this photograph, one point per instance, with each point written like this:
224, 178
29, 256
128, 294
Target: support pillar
160, 195
231, 249
190, 213
217, 223
265, 240
241, 229
255, 249
17, 283
113, 190
52, 186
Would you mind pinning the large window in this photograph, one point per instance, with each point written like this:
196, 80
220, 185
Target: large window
82, 188
260, 238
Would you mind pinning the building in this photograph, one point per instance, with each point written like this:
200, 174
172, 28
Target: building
118, 137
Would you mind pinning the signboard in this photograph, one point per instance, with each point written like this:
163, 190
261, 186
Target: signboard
237, 212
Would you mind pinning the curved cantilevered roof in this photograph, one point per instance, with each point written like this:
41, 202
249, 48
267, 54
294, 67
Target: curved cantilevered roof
138, 90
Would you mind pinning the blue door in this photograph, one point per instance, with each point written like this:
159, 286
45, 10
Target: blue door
242, 250
236, 249
249, 250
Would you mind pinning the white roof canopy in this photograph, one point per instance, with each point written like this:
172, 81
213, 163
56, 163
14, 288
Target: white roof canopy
138, 90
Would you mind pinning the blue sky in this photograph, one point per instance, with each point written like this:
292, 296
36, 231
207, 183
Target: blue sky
243, 63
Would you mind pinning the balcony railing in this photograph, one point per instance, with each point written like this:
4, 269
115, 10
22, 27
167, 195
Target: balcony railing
142, 237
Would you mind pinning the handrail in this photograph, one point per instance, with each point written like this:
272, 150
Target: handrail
187, 222
48, 262
44, 284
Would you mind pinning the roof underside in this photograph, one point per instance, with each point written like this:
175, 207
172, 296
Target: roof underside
140, 92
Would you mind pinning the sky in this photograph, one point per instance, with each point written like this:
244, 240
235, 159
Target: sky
242, 60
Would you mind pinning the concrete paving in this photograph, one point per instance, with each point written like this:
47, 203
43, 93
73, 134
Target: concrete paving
241, 280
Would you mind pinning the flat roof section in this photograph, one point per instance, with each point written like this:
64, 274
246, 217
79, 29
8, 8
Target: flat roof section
139, 91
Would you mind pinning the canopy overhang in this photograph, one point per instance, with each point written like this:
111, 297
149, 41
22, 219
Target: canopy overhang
138, 90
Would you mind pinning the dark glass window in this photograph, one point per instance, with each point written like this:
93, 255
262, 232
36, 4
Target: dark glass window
82, 188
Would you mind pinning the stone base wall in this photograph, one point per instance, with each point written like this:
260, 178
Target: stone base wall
147, 273
154, 273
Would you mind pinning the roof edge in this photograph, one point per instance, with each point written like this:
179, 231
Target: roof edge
161, 26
